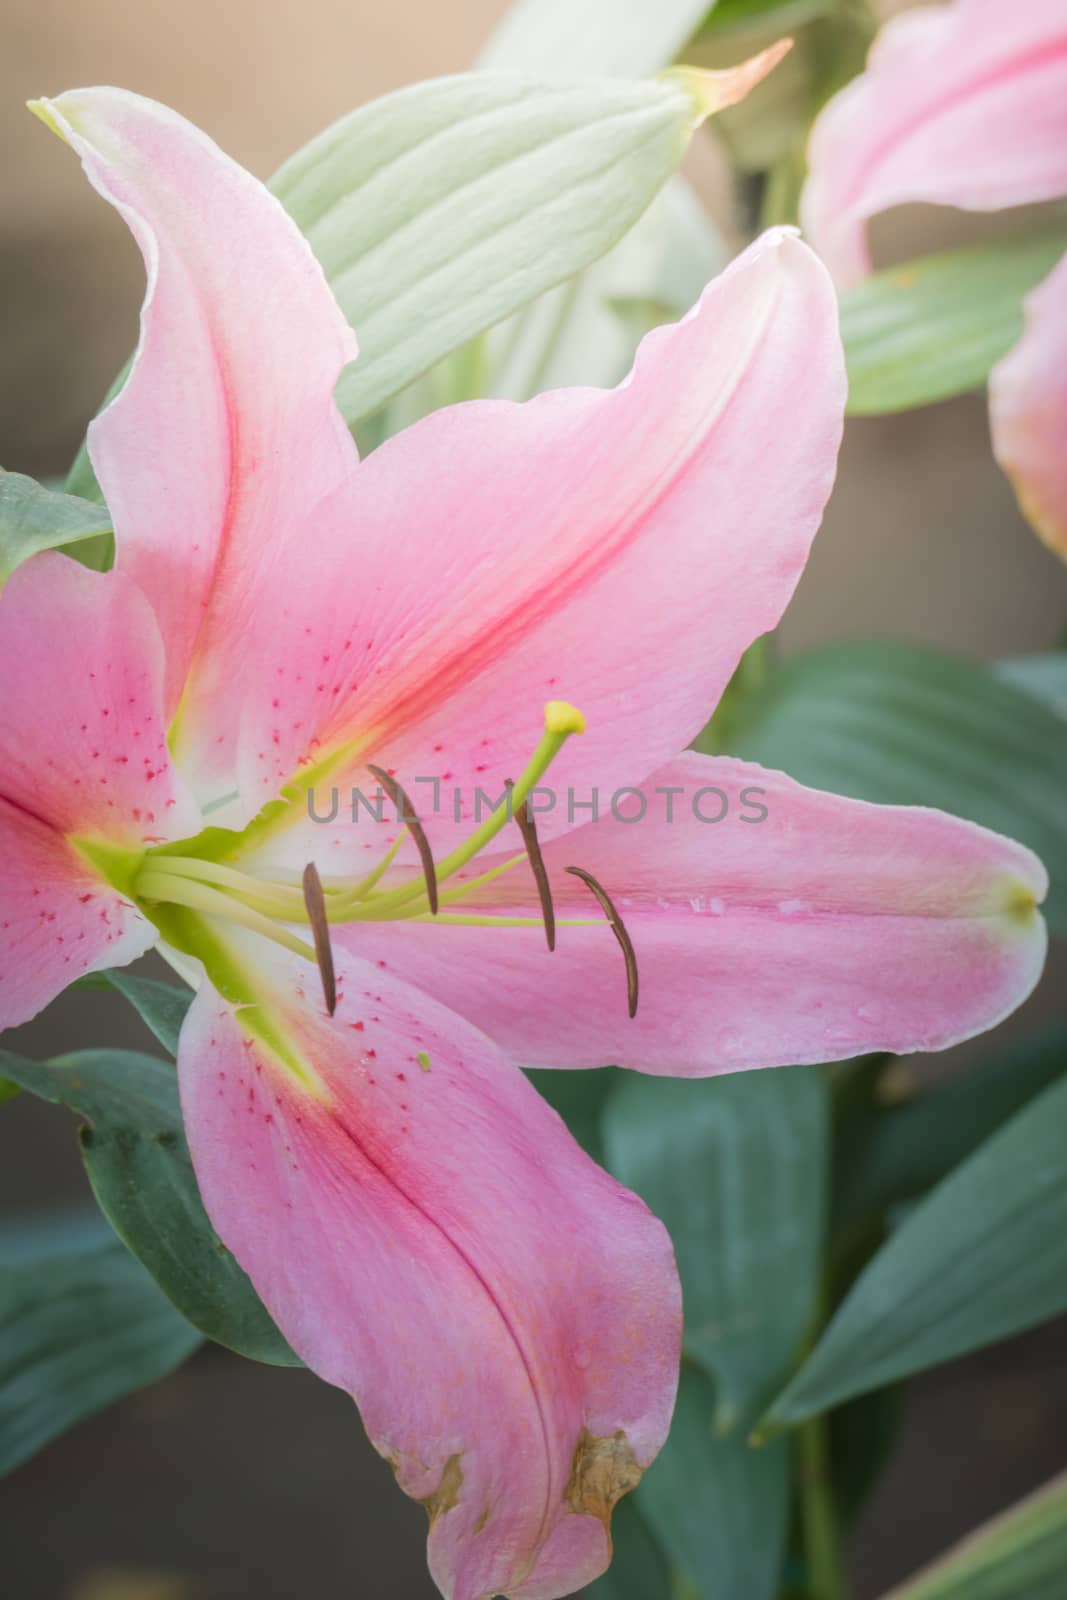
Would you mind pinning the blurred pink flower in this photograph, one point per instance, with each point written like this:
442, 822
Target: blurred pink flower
964, 105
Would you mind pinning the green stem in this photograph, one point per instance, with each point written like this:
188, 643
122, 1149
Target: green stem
822, 1545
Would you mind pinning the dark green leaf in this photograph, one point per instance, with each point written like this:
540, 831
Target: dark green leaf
639, 1569
984, 1256
934, 328
138, 1164
735, 1167
900, 725
161, 1006
897, 1152
1021, 1555
79, 1327
580, 1098
1044, 677
718, 1506
33, 519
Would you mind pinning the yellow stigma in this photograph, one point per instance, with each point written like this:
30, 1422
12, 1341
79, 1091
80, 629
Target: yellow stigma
562, 717
42, 109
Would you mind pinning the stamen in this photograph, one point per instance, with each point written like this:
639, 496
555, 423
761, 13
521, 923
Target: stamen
618, 928
266, 905
155, 885
561, 721
343, 891
407, 814
283, 902
528, 829
315, 902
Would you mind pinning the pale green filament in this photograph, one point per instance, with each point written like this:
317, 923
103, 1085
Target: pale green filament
171, 890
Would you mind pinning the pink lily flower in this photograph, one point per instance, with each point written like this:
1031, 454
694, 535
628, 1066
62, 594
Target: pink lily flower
284, 620
1028, 410
963, 105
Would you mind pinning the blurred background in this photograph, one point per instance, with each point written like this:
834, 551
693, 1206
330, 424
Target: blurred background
229, 1481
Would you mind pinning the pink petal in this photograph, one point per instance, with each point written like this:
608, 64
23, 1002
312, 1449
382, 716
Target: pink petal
827, 929
82, 752
618, 549
429, 1237
82, 742
1028, 410
58, 919
226, 433
962, 105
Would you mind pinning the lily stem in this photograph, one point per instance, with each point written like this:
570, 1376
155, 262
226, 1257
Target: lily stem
822, 1545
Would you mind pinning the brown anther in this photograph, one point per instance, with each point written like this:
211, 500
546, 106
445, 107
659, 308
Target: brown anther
407, 814
315, 901
618, 928
528, 829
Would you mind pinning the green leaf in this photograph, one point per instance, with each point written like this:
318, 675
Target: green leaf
80, 1326
580, 1098
161, 1006
81, 479
984, 1256
639, 1568
895, 1153
138, 1163
935, 327
441, 209
575, 335
1043, 676
735, 1167
33, 518
1021, 1555
906, 726
718, 1506
738, 16
560, 38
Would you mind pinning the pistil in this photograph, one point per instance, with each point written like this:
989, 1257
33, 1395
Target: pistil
266, 906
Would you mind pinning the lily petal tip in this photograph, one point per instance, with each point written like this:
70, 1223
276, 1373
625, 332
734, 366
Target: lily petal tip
44, 110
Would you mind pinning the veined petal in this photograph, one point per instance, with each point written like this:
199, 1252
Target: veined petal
962, 105
82, 743
225, 434
428, 1236
1028, 411
82, 754
58, 919
800, 927
616, 549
